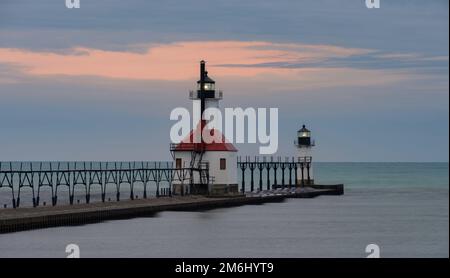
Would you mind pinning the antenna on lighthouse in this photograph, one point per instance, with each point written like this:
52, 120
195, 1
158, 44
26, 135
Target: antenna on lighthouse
203, 74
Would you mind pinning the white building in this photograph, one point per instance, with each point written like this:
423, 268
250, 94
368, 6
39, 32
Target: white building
219, 157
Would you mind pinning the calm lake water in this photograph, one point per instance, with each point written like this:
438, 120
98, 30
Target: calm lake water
402, 207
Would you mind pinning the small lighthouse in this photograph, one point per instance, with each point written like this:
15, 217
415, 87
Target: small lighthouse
218, 157
304, 145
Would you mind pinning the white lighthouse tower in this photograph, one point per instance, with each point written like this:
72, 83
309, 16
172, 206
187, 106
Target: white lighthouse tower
304, 145
218, 157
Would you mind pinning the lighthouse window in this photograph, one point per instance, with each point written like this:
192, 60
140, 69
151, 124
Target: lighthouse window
178, 163
208, 86
223, 164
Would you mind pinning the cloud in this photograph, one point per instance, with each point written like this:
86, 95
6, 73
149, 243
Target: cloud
290, 65
116, 24
173, 61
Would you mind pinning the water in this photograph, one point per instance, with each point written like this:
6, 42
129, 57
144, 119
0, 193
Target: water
402, 207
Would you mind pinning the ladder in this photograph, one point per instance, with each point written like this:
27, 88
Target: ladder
203, 168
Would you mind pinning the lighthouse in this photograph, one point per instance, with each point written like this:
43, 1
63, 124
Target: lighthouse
218, 158
304, 145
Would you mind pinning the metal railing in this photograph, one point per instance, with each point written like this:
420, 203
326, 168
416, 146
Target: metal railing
66, 178
197, 147
272, 167
196, 95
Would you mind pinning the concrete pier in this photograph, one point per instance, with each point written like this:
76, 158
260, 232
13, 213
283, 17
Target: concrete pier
20, 219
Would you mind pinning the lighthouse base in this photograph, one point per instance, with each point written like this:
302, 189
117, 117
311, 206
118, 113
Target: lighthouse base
203, 189
305, 182
188, 189
199, 189
223, 189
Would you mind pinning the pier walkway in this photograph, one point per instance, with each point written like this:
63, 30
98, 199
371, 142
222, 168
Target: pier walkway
20, 219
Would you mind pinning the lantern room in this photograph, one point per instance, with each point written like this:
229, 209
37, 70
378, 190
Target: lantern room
208, 84
304, 137
206, 87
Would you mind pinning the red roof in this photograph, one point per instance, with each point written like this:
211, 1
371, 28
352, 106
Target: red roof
187, 144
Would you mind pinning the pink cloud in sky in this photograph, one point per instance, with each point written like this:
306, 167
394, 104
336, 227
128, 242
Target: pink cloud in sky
179, 61
175, 61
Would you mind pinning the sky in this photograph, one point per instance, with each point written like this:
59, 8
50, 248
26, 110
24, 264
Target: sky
98, 83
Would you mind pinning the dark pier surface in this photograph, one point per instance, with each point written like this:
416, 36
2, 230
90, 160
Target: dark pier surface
20, 219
